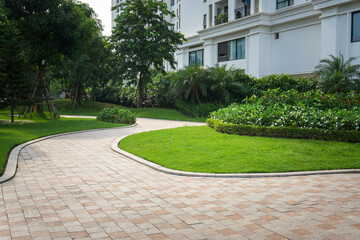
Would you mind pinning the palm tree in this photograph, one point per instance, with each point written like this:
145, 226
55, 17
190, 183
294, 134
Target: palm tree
337, 75
190, 84
225, 82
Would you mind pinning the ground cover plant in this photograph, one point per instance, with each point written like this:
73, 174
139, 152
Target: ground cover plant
293, 109
200, 149
39, 125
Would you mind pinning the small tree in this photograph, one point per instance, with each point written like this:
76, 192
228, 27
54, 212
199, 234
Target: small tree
142, 38
337, 75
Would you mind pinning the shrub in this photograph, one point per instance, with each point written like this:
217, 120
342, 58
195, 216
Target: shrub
284, 82
198, 110
284, 132
293, 109
315, 99
117, 115
337, 75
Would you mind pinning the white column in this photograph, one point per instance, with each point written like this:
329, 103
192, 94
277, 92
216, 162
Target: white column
232, 7
252, 7
213, 14
259, 52
329, 39
209, 53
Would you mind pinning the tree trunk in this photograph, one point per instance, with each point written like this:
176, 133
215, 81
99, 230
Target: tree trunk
196, 93
141, 90
12, 113
40, 80
75, 96
80, 93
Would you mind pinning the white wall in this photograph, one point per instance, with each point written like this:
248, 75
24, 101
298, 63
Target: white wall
296, 51
336, 31
191, 16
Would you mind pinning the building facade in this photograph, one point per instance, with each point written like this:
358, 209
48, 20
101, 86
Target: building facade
265, 36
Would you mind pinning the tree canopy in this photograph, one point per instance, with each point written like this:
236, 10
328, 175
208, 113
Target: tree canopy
52, 29
142, 38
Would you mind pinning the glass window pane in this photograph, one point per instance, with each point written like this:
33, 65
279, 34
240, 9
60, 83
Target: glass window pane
222, 52
355, 36
232, 50
240, 48
199, 58
192, 58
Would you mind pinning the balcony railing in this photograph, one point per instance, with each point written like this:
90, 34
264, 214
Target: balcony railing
242, 12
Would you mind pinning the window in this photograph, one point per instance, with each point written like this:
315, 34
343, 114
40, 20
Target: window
204, 21
232, 50
284, 3
172, 2
196, 58
355, 27
277, 36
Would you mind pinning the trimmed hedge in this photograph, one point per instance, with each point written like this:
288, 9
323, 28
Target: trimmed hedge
284, 132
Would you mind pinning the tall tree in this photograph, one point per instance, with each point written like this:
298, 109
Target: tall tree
142, 38
12, 64
85, 72
52, 28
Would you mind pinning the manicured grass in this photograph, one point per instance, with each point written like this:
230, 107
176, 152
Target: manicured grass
38, 126
92, 108
201, 149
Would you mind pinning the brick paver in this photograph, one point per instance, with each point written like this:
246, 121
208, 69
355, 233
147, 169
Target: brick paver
75, 186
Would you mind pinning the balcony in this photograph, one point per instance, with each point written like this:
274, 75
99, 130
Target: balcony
221, 9
221, 18
242, 12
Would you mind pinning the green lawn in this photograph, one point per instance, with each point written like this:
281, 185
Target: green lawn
92, 108
38, 126
201, 149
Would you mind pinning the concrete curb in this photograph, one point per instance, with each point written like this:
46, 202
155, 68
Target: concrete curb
12, 161
115, 144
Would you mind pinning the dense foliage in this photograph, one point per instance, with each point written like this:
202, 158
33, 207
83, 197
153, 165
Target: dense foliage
293, 109
117, 115
337, 75
45, 34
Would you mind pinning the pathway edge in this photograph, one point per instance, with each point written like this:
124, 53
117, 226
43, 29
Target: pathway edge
159, 168
12, 161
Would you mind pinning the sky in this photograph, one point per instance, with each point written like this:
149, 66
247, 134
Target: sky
103, 11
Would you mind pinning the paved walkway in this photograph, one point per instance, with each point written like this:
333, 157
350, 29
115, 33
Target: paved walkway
75, 186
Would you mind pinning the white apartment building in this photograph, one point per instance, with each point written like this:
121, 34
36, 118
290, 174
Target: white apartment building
265, 36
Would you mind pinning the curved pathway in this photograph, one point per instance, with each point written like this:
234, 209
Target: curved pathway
75, 186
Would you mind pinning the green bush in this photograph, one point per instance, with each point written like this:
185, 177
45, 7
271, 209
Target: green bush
117, 115
198, 110
284, 132
292, 109
284, 82
315, 99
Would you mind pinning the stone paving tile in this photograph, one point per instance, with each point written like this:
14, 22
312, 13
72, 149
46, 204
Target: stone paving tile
76, 187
